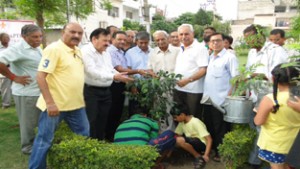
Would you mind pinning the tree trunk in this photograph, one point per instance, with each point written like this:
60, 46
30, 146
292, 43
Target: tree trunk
40, 22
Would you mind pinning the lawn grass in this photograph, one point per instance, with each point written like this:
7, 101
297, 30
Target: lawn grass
11, 156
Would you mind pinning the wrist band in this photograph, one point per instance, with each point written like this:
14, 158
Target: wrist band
12, 77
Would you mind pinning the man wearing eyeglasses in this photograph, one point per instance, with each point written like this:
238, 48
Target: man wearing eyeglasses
222, 66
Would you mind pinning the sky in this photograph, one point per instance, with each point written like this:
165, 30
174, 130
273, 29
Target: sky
225, 8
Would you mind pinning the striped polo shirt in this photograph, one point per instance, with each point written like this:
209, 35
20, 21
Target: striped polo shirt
138, 130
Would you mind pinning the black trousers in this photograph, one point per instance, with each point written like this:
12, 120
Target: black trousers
98, 103
116, 110
215, 124
191, 100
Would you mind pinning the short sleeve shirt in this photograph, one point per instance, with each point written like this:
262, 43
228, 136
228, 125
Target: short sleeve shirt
65, 78
23, 60
189, 61
194, 128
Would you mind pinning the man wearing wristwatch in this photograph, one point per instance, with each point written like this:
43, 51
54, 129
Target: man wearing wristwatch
191, 63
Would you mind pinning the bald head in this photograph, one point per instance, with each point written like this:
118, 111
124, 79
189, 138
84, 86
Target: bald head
72, 34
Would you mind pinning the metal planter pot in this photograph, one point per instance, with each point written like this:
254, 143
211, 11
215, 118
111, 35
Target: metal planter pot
238, 109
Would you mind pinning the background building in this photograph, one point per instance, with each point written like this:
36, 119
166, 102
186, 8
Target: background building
269, 13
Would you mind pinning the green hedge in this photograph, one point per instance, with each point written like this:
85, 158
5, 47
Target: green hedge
237, 145
78, 152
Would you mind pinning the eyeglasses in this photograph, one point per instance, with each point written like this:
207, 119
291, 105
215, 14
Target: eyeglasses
216, 40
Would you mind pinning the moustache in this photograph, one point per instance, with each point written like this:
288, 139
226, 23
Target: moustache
77, 39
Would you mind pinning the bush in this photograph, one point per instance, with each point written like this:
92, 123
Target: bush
236, 146
78, 152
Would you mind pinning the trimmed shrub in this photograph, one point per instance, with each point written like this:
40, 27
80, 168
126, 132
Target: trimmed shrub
236, 146
78, 152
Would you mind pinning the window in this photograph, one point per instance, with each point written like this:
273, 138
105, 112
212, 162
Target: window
282, 22
129, 15
103, 24
114, 12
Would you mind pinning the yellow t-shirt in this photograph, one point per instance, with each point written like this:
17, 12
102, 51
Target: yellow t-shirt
65, 78
193, 128
280, 130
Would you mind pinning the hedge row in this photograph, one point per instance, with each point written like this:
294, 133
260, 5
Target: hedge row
78, 152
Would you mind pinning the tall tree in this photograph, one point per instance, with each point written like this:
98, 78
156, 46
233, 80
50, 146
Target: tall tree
50, 12
187, 17
132, 25
160, 23
203, 17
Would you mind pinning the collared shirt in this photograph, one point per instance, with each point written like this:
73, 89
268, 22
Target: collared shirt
270, 56
65, 78
220, 70
23, 60
188, 62
163, 60
137, 59
117, 56
98, 67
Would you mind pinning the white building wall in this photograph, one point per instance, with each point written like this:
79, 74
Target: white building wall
100, 18
248, 9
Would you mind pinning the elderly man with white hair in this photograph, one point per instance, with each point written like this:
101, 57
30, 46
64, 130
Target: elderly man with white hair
163, 57
191, 63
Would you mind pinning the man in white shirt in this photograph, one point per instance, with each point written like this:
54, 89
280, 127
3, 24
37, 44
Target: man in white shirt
163, 57
173, 39
99, 75
191, 63
277, 36
222, 67
206, 35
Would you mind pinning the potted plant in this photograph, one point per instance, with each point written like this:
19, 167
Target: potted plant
154, 93
239, 106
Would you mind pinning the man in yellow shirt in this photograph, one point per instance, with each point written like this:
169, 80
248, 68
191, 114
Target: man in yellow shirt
61, 79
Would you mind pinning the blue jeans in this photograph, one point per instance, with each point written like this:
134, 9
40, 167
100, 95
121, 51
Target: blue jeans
76, 120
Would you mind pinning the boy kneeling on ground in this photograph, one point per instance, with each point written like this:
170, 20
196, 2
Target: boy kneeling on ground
193, 136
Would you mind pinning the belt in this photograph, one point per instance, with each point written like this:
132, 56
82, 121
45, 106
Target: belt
96, 87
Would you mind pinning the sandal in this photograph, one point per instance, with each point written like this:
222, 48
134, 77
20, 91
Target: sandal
217, 158
199, 163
